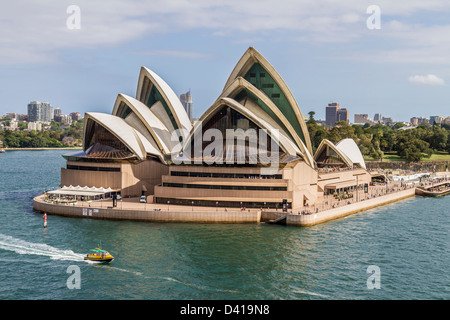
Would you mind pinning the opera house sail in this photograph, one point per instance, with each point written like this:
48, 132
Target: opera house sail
250, 148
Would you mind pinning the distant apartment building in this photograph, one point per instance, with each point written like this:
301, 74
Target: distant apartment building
40, 111
13, 125
331, 112
12, 116
436, 119
423, 120
75, 116
37, 126
186, 101
415, 121
60, 117
387, 119
362, 118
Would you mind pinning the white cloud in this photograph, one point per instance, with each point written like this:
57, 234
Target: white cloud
32, 31
429, 79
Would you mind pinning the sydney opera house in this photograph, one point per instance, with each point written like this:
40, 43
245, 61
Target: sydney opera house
250, 148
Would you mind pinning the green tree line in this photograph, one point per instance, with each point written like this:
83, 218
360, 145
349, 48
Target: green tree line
374, 141
55, 137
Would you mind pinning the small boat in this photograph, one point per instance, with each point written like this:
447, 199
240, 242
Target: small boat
99, 255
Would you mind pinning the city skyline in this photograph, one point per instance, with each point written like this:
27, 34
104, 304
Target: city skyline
325, 52
186, 101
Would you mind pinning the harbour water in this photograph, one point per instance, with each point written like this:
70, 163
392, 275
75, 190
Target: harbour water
407, 242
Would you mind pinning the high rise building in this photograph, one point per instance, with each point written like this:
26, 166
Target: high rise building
331, 113
377, 117
34, 111
47, 112
186, 101
40, 111
57, 111
342, 115
436, 119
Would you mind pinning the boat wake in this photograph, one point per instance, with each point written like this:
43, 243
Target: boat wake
41, 249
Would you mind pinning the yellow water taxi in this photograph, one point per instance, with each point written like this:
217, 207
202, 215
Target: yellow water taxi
99, 255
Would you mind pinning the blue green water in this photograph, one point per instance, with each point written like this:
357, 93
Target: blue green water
408, 241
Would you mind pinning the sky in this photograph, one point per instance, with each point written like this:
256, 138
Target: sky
377, 56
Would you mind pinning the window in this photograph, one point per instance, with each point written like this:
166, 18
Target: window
88, 168
222, 187
275, 95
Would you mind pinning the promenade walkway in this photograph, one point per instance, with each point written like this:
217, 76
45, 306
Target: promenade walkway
330, 207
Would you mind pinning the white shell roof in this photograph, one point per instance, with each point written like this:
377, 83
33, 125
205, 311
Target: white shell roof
351, 150
171, 98
158, 130
134, 140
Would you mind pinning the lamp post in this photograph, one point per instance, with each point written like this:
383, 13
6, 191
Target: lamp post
168, 203
217, 204
192, 206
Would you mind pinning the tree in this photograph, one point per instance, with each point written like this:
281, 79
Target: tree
311, 117
316, 133
439, 139
414, 149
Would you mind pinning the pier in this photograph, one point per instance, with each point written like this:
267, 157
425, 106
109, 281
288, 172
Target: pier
435, 190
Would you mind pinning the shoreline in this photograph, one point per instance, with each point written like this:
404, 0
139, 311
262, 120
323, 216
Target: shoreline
44, 148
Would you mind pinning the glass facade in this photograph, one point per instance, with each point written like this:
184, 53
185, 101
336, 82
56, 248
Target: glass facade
238, 147
103, 144
229, 204
225, 175
329, 158
222, 187
156, 96
262, 80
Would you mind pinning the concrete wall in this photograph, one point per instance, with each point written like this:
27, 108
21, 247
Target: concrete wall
303, 183
146, 174
152, 216
312, 219
88, 178
131, 179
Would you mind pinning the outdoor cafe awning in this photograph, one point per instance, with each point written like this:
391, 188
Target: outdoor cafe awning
81, 191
